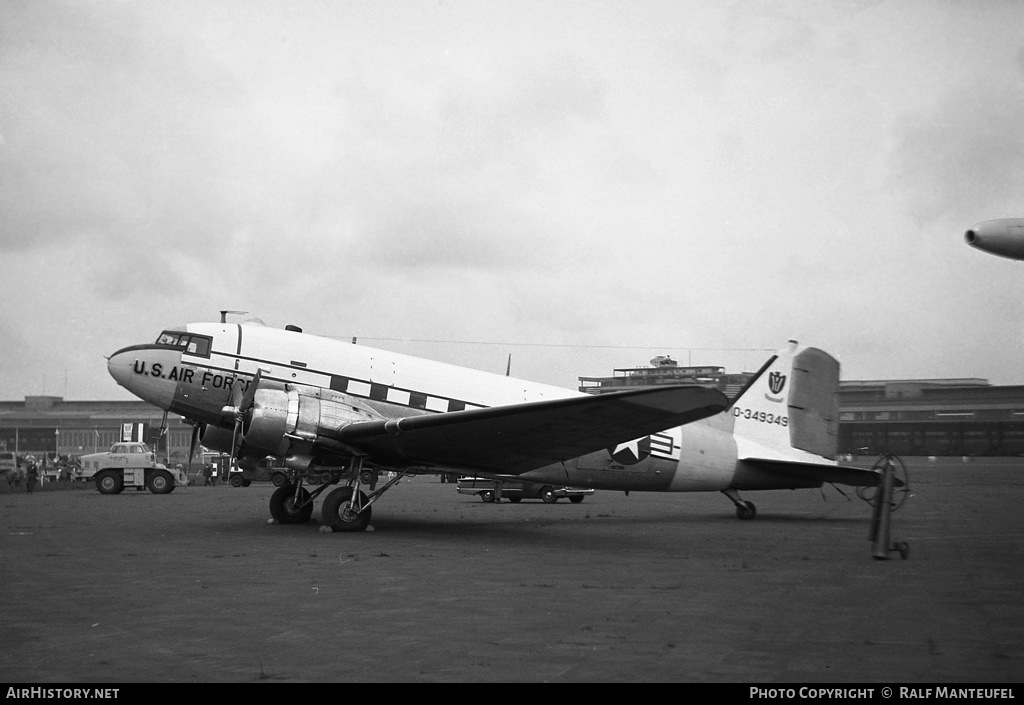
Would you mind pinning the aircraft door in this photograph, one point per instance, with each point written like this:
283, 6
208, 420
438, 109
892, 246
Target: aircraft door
229, 340
218, 386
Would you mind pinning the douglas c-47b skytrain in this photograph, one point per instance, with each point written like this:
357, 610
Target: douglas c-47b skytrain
353, 412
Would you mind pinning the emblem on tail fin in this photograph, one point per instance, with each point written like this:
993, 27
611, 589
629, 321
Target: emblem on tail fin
776, 383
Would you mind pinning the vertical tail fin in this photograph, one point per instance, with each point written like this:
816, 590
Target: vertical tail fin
789, 410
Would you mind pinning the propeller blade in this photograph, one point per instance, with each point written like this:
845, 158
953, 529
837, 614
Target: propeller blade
241, 407
236, 396
163, 437
234, 436
250, 392
192, 446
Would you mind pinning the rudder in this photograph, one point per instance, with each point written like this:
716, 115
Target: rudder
814, 403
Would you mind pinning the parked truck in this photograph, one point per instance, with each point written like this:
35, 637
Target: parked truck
270, 468
130, 465
515, 491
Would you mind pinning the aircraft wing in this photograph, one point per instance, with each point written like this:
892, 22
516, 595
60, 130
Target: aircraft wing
517, 438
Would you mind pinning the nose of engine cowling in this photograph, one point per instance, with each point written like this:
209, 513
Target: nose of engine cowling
146, 371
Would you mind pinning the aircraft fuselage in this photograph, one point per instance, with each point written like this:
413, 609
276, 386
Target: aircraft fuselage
198, 373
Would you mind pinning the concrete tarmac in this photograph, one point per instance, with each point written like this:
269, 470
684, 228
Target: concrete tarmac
196, 586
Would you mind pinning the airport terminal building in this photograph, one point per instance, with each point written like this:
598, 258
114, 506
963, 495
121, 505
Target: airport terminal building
966, 417
958, 417
49, 426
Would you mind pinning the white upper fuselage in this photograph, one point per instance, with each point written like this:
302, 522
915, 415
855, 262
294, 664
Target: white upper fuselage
199, 383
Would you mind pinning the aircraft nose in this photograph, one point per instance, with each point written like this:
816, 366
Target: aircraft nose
120, 368
147, 372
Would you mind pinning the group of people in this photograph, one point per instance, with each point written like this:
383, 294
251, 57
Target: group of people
30, 474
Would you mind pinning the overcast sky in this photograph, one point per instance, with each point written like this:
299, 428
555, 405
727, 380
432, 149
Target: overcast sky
584, 184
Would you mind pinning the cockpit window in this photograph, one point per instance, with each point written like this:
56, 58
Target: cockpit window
191, 344
198, 345
168, 338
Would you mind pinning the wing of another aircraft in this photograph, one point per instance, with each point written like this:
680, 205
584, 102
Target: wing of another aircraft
517, 438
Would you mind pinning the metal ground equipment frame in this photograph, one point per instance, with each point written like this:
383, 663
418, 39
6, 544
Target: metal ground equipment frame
886, 499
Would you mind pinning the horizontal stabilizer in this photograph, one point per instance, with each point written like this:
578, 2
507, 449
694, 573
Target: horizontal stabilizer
817, 473
517, 438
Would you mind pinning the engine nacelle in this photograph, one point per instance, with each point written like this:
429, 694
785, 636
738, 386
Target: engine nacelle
286, 422
216, 438
219, 439
267, 421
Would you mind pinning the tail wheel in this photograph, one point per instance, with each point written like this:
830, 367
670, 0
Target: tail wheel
746, 510
286, 509
548, 495
337, 511
109, 482
487, 496
160, 482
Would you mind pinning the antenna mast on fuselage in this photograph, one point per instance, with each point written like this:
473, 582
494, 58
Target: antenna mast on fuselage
224, 314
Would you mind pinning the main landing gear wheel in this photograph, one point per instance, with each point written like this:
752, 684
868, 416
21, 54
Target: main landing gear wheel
160, 482
337, 512
286, 509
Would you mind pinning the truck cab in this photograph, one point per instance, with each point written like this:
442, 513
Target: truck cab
122, 455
